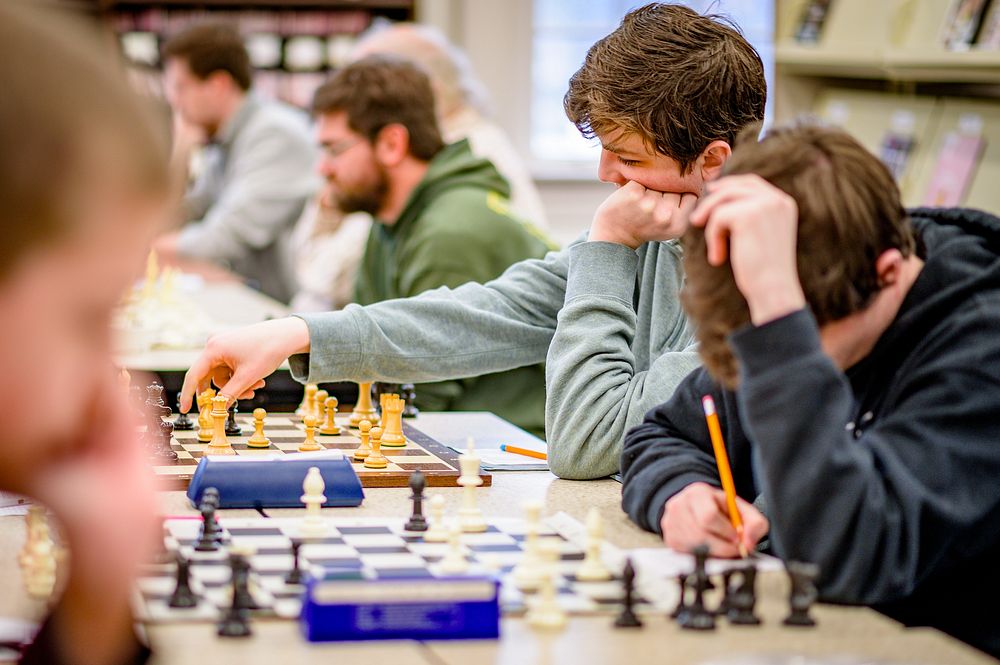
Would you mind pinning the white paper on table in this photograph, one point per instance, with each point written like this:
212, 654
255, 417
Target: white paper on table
668, 563
17, 631
489, 431
10, 500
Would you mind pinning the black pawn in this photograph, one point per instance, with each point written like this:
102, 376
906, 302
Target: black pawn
182, 595
727, 593
417, 522
166, 433
236, 621
211, 495
627, 617
294, 576
183, 421
232, 427
242, 598
803, 593
681, 587
744, 599
697, 616
408, 392
209, 539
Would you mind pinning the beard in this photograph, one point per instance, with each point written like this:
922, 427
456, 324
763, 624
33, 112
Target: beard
367, 198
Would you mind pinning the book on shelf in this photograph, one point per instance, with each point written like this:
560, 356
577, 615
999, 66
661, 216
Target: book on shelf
955, 167
811, 21
962, 25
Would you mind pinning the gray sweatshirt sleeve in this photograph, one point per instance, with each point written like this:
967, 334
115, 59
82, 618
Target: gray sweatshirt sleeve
594, 391
441, 334
271, 180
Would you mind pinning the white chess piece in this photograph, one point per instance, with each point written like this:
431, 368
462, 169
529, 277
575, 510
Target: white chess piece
545, 611
437, 532
527, 574
454, 560
593, 569
40, 570
469, 515
313, 497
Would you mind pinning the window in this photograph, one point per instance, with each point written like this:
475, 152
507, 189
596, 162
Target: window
562, 33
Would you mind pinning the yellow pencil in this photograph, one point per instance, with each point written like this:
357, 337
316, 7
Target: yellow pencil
725, 473
523, 451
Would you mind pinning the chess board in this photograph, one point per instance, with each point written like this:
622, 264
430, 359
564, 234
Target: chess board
438, 462
369, 548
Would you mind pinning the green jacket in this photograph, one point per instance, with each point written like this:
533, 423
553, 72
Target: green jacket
456, 228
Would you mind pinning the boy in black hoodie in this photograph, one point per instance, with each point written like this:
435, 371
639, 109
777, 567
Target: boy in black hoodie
853, 353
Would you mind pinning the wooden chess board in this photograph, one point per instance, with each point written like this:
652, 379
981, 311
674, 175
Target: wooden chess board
367, 548
438, 462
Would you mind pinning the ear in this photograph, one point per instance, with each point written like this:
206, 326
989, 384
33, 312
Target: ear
888, 267
713, 158
392, 145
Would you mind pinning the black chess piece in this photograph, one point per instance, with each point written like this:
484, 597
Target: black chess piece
164, 436
232, 427
294, 576
682, 588
242, 598
211, 495
417, 521
183, 596
183, 421
803, 593
408, 392
209, 539
727, 593
236, 621
744, 598
154, 394
627, 617
697, 616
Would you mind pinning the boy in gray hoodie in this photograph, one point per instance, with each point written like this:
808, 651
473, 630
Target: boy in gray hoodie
666, 94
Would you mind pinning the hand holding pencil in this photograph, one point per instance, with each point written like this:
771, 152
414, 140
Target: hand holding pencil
703, 514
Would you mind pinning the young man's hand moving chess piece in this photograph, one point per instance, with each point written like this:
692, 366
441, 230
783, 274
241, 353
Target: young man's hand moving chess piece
665, 93
852, 348
83, 181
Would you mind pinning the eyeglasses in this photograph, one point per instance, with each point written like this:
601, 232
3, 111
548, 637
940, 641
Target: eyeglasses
336, 150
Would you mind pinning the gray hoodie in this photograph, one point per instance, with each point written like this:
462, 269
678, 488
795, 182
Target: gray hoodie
605, 319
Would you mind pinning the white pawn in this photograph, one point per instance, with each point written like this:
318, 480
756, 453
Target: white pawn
469, 515
545, 611
437, 532
312, 495
593, 569
40, 572
454, 560
528, 573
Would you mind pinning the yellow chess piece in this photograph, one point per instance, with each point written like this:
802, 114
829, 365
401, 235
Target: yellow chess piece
330, 426
258, 440
365, 448
363, 409
309, 404
375, 459
301, 411
393, 437
318, 403
204, 417
381, 407
309, 445
219, 445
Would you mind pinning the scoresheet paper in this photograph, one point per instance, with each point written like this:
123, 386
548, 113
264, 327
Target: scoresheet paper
489, 432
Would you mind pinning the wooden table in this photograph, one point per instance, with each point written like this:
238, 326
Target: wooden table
841, 631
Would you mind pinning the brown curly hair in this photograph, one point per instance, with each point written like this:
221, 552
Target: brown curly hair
676, 78
849, 213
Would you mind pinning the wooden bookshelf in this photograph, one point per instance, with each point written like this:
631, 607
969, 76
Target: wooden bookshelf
326, 28
874, 62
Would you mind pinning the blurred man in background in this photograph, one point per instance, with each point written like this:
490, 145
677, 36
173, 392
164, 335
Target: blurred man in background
258, 169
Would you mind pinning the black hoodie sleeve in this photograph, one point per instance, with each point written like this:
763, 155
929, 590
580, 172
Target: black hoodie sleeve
881, 509
669, 450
